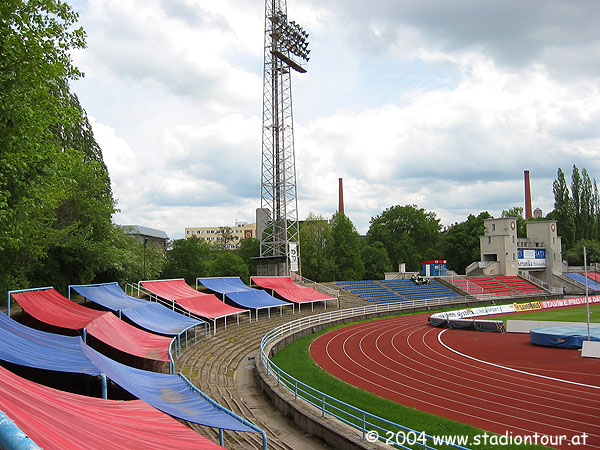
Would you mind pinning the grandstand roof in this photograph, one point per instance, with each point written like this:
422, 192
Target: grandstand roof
144, 231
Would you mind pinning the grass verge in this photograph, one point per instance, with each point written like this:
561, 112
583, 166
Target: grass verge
571, 314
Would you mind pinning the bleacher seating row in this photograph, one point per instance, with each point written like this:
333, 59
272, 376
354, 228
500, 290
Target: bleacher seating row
580, 278
360, 291
496, 285
388, 291
412, 290
342, 283
375, 294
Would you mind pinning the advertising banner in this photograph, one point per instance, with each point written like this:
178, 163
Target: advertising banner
294, 256
529, 306
532, 258
559, 303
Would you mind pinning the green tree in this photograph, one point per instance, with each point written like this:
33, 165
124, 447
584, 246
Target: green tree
189, 259
124, 259
81, 231
225, 237
249, 248
410, 235
55, 197
574, 256
587, 206
517, 213
228, 264
564, 212
576, 195
346, 249
596, 213
461, 244
316, 244
376, 261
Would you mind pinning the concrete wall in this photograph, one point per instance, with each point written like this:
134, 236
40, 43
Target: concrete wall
500, 242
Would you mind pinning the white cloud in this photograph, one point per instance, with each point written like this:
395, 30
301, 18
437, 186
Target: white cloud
418, 102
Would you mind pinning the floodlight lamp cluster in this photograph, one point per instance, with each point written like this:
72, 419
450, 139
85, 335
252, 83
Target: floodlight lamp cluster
290, 36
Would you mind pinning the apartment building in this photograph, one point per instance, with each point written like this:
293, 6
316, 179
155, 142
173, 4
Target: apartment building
236, 233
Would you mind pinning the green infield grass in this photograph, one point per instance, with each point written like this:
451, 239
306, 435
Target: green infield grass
570, 314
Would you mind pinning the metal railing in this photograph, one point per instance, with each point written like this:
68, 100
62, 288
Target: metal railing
368, 424
316, 286
12, 437
540, 283
470, 287
227, 411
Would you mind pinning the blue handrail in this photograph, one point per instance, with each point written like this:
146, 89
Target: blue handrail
222, 408
23, 290
12, 437
352, 416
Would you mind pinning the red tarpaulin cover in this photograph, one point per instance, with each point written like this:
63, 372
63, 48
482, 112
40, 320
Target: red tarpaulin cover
289, 290
51, 307
204, 305
131, 340
61, 420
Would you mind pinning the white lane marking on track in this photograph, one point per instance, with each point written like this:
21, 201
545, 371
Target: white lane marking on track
371, 382
570, 392
488, 386
512, 369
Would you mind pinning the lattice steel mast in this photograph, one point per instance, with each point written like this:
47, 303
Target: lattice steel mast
285, 49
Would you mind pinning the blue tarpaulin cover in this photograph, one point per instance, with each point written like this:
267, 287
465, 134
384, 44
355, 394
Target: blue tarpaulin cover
42, 350
111, 296
243, 295
160, 319
564, 337
225, 285
255, 299
167, 393
151, 316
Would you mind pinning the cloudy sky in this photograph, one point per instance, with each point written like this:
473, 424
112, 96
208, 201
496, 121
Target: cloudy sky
427, 102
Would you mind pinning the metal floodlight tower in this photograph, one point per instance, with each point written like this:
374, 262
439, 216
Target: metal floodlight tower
286, 47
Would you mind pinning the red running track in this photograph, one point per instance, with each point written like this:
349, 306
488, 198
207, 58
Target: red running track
511, 387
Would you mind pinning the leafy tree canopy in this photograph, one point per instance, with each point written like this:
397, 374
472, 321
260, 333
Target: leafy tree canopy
376, 261
228, 264
55, 197
189, 259
316, 247
409, 234
249, 248
461, 242
346, 248
574, 256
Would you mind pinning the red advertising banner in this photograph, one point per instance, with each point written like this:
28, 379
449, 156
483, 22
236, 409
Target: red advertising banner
561, 302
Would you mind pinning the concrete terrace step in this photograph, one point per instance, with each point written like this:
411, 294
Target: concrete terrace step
211, 365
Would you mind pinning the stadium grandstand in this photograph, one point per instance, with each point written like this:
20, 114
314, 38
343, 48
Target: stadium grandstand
398, 291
